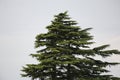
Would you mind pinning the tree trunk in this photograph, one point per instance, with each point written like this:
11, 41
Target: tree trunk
69, 76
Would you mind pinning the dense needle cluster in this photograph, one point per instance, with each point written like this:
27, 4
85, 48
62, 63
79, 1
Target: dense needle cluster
66, 54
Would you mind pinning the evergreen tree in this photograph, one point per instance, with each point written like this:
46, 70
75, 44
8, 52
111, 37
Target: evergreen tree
66, 54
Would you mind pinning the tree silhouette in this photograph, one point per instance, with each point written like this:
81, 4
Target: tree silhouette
66, 54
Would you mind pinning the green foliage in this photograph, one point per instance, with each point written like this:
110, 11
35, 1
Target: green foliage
67, 54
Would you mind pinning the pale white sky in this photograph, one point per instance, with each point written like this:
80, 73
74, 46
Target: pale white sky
22, 20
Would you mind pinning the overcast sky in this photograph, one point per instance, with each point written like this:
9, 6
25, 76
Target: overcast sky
22, 20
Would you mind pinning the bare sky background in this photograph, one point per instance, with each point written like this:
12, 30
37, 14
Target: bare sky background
22, 20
